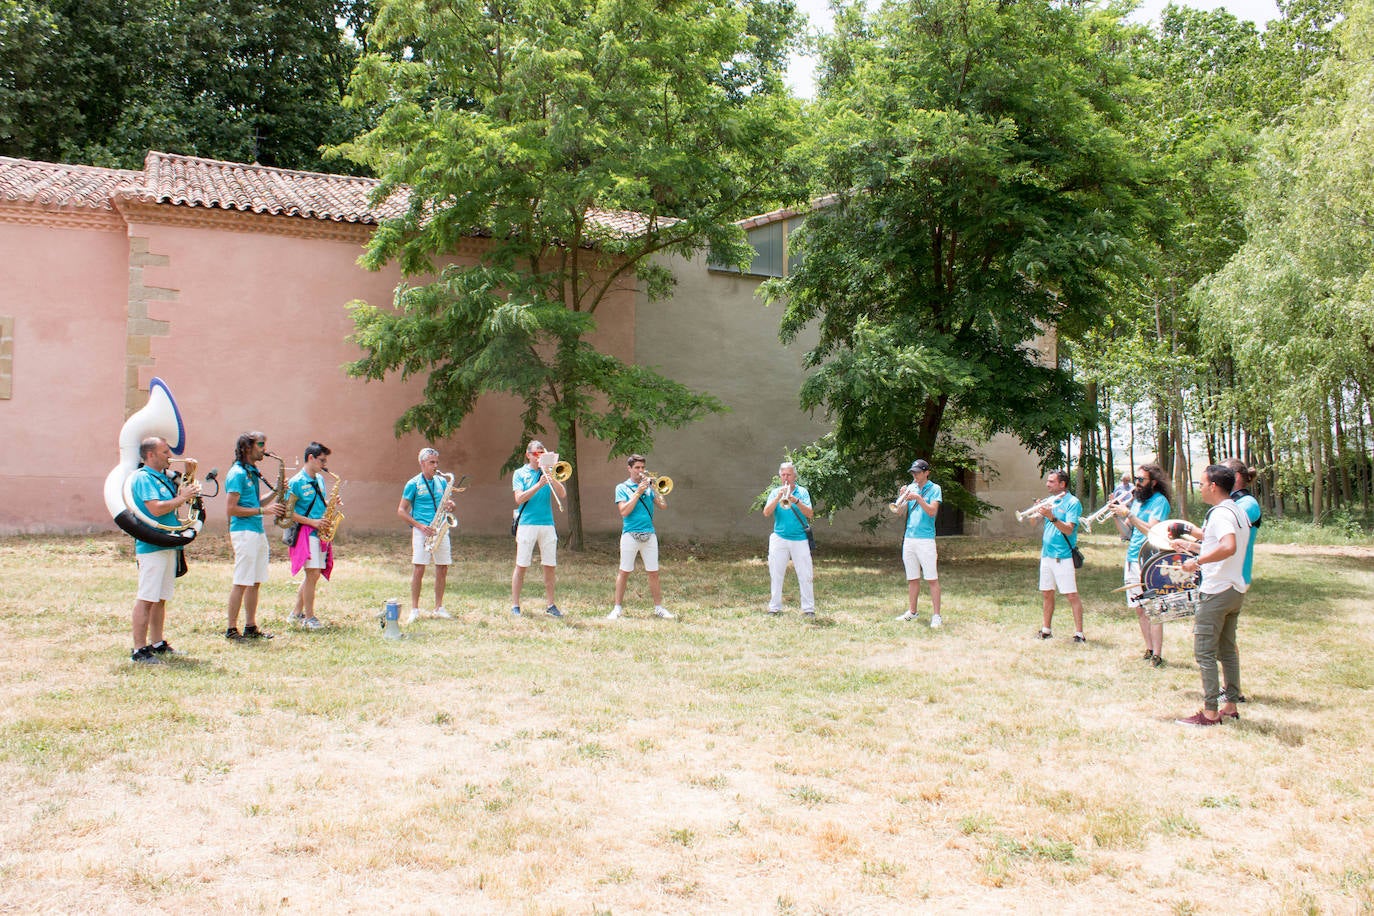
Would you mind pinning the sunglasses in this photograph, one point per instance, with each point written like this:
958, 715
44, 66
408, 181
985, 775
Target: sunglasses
260, 443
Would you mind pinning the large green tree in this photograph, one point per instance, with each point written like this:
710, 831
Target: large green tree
584, 140
104, 81
983, 196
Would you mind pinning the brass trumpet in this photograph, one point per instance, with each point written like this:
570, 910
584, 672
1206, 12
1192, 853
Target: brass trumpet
895, 507
785, 500
1090, 520
660, 484
1050, 501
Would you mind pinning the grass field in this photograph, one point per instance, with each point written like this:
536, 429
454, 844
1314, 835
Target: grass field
723, 762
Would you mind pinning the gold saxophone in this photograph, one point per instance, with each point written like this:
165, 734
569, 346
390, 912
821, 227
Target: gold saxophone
289, 501
444, 520
333, 517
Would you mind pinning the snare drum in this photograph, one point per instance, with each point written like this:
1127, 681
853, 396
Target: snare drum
1170, 592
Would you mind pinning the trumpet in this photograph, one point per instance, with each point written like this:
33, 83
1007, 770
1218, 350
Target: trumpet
1090, 520
1050, 501
785, 500
895, 507
660, 484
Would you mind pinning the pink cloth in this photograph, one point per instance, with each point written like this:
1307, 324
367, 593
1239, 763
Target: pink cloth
300, 553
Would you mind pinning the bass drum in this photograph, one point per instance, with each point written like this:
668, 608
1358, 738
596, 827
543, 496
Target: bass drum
1170, 593
159, 417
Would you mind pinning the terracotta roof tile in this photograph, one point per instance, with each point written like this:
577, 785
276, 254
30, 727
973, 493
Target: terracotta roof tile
763, 219
55, 184
196, 182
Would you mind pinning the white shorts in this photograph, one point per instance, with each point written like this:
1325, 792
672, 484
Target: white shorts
918, 555
443, 553
526, 536
250, 557
317, 551
157, 575
630, 548
1058, 574
1131, 576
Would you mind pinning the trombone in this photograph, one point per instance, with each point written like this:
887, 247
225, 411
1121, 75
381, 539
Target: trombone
1050, 501
555, 470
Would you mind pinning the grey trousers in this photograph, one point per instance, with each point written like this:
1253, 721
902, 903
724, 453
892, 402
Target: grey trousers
1214, 640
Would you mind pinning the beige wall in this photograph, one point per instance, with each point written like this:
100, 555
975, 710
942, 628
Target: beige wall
716, 335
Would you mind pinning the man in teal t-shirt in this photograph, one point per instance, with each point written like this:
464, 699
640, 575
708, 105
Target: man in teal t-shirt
157, 497
637, 500
1150, 504
247, 534
1061, 512
534, 489
921, 500
788, 541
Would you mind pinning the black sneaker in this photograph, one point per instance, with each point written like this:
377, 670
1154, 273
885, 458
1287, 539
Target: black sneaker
1044, 634
553, 611
1149, 656
144, 656
1079, 637
1157, 661
252, 632
232, 634
164, 648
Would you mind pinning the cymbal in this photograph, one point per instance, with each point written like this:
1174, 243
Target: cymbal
1159, 534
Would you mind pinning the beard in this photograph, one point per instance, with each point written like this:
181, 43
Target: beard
1143, 491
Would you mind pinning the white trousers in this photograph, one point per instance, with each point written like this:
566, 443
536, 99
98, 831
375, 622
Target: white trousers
780, 551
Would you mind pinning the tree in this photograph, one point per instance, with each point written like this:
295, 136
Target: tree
1294, 307
104, 81
583, 139
984, 196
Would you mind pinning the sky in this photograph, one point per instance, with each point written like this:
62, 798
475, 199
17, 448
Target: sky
801, 70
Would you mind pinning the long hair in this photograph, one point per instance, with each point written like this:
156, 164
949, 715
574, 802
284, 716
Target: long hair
243, 448
1160, 481
1244, 475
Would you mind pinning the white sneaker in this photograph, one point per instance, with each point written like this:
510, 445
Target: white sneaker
296, 618
935, 622
661, 611
909, 615
442, 614
313, 623
413, 616
614, 614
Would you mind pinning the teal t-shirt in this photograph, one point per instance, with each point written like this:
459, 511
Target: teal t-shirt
310, 494
919, 524
1251, 507
641, 517
539, 507
425, 497
244, 481
153, 485
1155, 509
788, 524
1055, 544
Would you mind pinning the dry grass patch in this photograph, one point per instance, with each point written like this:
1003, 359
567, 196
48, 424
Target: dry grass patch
725, 761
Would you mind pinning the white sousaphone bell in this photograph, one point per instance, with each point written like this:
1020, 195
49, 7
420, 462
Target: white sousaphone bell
159, 417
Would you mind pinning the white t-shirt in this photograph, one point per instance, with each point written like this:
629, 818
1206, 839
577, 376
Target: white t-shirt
1222, 519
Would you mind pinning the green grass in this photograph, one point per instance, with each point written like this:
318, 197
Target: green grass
723, 761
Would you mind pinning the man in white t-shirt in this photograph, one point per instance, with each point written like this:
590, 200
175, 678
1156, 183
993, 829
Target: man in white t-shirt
1221, 558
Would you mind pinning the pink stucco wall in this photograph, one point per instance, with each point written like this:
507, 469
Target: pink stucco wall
257, 339
65, 288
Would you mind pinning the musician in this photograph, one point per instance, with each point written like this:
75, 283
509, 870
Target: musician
1152, 500
156, 495
309, 552
1221, 559
922, 502
1123, 495
247, 534
534, 490
1061, 511
637, 501
422, 508
1249, 505
788, 540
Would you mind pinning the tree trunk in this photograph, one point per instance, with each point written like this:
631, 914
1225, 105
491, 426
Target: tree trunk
1315, 447
574, 487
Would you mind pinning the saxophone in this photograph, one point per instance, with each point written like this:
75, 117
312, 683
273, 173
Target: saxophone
446, 511
280, 494
333, 517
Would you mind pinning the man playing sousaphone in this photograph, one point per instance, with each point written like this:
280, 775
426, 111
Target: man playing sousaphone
247, 535
535, 490
637, 499
422, 506
156, 496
